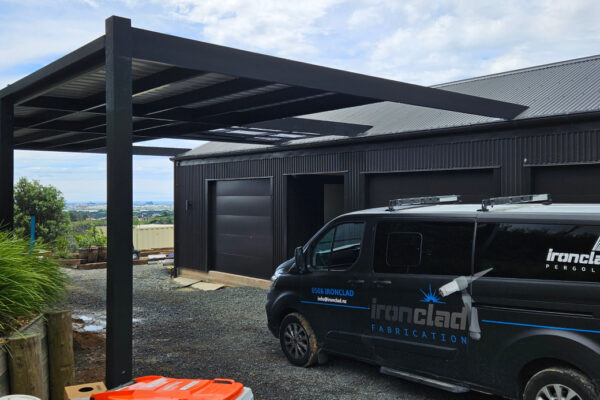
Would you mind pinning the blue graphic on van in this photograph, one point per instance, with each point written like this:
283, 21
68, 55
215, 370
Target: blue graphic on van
431, 296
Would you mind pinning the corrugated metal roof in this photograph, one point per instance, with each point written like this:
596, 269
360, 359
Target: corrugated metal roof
561, 88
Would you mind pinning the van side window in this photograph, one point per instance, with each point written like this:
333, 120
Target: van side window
338, 248
539, 251
436, 248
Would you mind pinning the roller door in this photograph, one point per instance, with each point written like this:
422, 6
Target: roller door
473, 185
568, 184
241, 227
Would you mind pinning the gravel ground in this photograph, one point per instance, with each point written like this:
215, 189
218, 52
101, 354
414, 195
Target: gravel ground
188, 333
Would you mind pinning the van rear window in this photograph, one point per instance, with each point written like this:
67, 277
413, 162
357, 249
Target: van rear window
539, 251
436, 248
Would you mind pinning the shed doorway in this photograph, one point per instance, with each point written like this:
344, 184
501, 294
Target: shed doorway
312, 201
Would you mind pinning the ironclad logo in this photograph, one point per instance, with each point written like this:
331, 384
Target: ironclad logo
597, 245
429, 316
430, 297
590, 258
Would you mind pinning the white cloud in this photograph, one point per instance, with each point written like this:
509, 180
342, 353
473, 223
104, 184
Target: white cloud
466, 38
281, 27
32, 38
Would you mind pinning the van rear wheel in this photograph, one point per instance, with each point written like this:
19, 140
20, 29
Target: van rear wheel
558, 384
298, 341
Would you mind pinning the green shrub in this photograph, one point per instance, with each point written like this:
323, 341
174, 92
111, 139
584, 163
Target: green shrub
29, 282
47, 204
92, 237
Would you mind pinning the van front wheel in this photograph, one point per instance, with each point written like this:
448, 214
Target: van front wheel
298, 341
559, 383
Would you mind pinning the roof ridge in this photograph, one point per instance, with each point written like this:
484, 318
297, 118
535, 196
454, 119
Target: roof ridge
519, 71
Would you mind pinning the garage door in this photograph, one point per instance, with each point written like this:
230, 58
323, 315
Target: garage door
242, 227
568, 184
473, 185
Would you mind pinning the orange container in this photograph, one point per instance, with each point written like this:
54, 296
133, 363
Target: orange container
161, 388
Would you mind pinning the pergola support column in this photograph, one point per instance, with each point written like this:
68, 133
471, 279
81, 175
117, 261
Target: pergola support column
6, 164
119, 273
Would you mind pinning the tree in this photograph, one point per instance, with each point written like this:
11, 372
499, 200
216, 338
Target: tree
47, 204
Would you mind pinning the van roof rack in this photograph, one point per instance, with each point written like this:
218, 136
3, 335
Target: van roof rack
528, 198
426, 200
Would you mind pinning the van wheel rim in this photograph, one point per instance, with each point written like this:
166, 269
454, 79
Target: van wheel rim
557, 392
295, 340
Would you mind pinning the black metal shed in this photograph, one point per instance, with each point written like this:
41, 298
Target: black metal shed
552, 147
132, 85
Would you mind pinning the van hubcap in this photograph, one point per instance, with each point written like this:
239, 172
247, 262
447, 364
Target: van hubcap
295, 340
557, 392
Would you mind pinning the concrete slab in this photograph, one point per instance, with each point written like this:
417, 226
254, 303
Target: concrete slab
185, 281
222, 277
207, 286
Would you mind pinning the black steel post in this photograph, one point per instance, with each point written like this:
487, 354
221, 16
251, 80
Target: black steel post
119, 274
6, 164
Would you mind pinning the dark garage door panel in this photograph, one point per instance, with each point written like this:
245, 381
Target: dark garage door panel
241, 265
242, 227
244, 187
243, 245
568, 184
244, 205
233, 224
473, 185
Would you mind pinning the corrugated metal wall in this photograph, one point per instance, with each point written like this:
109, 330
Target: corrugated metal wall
513, 152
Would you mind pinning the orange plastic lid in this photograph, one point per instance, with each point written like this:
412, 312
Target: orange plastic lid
159, 387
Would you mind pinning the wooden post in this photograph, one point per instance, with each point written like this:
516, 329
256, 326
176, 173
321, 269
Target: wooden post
60, 352
25, 365
4, 389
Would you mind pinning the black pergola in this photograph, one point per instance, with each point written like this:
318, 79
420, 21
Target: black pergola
133, 85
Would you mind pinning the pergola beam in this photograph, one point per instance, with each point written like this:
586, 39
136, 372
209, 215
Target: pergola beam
302, 107
148, 151
85, 59
158, 47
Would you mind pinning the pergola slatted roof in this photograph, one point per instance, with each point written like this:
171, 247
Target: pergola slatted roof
192, 90
133, 85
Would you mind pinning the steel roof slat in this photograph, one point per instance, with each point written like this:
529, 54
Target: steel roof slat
257, 100
220, 89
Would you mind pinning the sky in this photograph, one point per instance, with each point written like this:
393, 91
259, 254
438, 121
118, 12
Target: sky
415, 41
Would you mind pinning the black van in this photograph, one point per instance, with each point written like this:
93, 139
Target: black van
501, 298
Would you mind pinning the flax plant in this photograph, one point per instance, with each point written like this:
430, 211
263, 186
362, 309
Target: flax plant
29, 282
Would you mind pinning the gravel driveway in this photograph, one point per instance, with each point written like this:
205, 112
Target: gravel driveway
188, 333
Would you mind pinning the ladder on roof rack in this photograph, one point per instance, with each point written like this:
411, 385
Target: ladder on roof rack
529, 198
425, 200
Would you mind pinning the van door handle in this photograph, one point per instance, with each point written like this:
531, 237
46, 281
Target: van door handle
356, 281
382, 282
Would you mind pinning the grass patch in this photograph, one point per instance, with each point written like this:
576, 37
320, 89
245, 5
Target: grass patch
29, 282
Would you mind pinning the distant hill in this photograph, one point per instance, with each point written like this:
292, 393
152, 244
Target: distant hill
135, 203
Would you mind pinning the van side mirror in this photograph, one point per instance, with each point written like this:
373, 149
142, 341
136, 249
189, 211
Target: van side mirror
300, 260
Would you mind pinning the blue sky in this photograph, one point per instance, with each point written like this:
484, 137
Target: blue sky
410, 40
